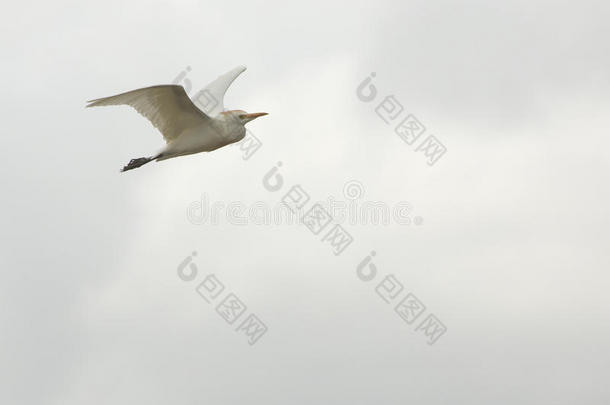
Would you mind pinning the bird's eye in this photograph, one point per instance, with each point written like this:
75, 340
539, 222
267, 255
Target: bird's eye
242, 116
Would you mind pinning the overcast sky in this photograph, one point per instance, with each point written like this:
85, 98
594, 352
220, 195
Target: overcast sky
511, 254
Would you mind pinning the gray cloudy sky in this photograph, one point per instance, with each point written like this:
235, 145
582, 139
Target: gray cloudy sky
511, 257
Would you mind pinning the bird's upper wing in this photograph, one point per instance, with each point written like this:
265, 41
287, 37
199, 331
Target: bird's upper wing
168, 107
210, 99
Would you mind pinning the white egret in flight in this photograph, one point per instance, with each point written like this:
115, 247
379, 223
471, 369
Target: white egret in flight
186, 128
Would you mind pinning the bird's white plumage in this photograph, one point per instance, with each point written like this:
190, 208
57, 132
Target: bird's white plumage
187, 126
167, 107
210, 99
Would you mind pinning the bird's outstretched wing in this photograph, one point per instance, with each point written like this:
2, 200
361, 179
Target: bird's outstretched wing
210, 99
167, 107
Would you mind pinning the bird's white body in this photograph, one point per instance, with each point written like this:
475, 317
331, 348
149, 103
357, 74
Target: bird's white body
222, 130
188, 126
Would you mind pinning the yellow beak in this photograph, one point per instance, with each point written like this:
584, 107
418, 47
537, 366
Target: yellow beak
254, 115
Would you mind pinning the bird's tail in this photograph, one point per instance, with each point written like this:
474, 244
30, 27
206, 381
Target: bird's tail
135, 163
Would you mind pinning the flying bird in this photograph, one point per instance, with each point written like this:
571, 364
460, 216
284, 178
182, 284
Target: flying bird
187, 127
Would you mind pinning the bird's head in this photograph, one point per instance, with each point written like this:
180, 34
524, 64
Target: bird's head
243, 116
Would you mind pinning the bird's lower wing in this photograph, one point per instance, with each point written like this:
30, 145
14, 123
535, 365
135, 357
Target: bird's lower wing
167, 107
